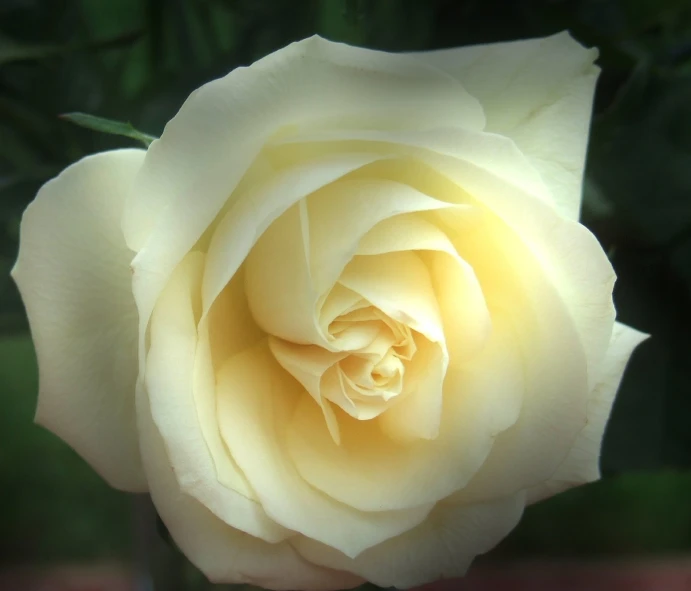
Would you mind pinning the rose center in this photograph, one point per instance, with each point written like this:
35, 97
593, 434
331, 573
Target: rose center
372, 373
361, 366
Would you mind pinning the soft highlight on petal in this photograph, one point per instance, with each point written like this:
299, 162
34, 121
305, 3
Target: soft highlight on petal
570, 258
582, 463
73, 272
553, 362
464, 312
550, 82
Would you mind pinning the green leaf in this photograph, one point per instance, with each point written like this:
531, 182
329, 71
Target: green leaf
108, 126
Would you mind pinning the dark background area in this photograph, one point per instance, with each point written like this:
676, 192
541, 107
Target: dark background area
137, 60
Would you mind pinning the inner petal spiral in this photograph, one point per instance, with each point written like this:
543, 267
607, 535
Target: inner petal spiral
365, 373
348, 326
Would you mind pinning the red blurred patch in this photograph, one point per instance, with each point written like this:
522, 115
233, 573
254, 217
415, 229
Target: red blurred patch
620, 576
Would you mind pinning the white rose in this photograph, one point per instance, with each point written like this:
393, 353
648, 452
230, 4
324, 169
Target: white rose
350, 290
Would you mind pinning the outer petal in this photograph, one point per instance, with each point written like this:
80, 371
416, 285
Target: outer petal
74, 276
223, 553
539, 93
442, 547
581, 465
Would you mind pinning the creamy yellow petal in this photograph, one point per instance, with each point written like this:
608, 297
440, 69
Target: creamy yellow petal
582, 463
481, 400
399, 284
336, 302
74, 276
341, 214
224, 554
304, 251
538, 92
462, 304
308, 364
229, 321
441, 547
489, 151
555, 388
256, 399
417, 412
253, 212
278, 281
177, 365
570, 256
491, 175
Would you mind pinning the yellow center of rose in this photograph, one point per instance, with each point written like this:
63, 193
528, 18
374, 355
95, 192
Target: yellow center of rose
361, 366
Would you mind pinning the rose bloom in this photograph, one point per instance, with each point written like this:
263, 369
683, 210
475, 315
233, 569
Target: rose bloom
340, 320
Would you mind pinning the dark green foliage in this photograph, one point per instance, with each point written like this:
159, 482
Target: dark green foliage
54, 506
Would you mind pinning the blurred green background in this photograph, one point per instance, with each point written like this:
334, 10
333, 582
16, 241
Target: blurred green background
137, 60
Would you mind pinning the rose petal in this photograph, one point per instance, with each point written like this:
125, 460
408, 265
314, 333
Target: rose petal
481, 399
571, 257
582, 463
399, 284
223, 553
256, 399
180, 388
337, 301
553, 363
278, 282
74, 276
494, 153
229, 321
331, 82
340, 215
441, 547
550, 83
252, 213
464, 313
308, 364
418, 412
